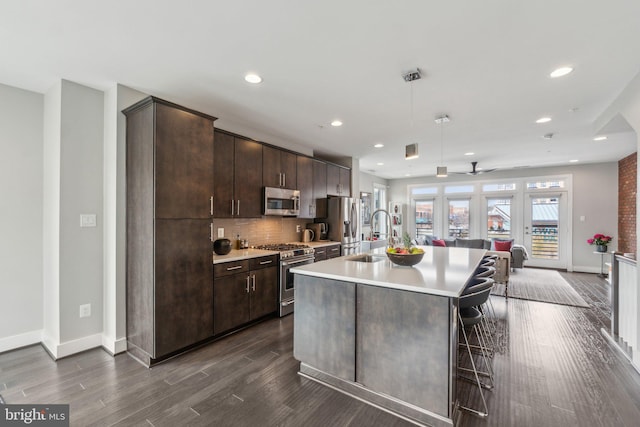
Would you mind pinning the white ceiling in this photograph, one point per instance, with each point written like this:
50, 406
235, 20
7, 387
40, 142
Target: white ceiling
484, 63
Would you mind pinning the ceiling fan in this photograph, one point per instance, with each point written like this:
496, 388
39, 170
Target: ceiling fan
474, 171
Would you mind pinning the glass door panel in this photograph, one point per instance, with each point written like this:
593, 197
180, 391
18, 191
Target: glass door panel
498, 218
424, 218
459, 218
545, 223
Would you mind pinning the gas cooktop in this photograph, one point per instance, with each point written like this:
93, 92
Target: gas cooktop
281, 246
289, 250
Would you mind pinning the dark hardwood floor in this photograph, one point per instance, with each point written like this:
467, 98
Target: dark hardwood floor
553, 368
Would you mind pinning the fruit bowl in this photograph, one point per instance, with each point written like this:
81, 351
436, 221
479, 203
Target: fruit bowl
406, 260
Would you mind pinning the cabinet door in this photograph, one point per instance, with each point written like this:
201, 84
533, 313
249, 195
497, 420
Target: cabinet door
231, 302
345, 182
320, 254
264, 288
271, 171
223, 156
184, 164
305, 185
183, 284
333, 180
289, 167
320, 188
248, 178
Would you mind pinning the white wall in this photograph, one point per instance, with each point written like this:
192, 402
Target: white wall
80, 193
595, 196
21, 128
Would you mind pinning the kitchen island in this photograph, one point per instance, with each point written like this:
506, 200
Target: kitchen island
382, 333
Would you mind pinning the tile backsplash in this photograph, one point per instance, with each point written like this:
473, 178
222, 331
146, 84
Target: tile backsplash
263, 230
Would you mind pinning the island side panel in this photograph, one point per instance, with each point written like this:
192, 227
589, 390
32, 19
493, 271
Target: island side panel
403, 346
324, 325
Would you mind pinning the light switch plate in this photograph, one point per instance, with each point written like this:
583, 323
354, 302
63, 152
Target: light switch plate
87, 220
220, 233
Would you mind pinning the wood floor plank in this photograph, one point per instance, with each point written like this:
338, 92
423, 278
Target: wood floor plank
553, 368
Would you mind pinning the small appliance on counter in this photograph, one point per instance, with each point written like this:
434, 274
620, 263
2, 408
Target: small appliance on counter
222, 246
308, 235
320, 231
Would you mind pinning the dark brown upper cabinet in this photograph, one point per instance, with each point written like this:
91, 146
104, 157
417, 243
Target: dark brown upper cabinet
237, 177
279, 168
338, 180
183, 160
305, 185
320, 188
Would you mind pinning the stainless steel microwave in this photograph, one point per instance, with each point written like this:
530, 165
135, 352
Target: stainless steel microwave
281, 201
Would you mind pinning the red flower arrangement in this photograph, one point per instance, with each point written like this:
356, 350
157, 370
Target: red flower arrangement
600, 240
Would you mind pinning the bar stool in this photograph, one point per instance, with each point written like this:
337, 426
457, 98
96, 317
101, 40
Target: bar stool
470, 317
487, 331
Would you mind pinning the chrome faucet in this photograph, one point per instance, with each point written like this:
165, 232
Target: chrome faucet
389, 238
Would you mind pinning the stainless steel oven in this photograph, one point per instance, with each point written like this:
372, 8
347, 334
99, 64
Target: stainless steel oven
291, 255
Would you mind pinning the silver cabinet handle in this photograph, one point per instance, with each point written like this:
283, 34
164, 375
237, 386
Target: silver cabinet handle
211, 232
253, 278
279, 179
211, 205
284, 179
335, 249
286, 303
234, 268
247, 288
266, 262
238, 210
232, 205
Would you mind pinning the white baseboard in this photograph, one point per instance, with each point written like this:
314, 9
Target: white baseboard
22, 340
112, 346
586, 269
58, 351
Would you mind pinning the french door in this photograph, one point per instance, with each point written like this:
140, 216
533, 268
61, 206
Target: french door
546, 230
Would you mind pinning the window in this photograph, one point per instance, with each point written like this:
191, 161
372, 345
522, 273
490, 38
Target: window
420, 191
499, 218
544, 185
424, 218
452, 189
459, 218
499, 187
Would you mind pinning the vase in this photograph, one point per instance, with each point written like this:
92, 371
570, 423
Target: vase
601, 248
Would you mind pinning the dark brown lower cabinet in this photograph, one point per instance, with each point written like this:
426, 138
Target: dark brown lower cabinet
170, 305
244, 291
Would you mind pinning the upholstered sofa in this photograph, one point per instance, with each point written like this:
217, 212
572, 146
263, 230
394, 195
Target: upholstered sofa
507, 260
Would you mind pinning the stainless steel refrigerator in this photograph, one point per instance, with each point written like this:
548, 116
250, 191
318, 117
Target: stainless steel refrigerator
344, 223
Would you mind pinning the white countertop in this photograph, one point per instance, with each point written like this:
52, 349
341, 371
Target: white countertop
240, 254
442, 271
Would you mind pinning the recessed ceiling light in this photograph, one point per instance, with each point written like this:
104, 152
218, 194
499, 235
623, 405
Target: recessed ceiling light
378, 146
559, 72
336, 123
469, 153
600, 138
253, 78
380, 164
407, 174
543, 120
573, 161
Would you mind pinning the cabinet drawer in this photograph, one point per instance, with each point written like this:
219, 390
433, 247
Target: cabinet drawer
333, 251
320, 254
227, 268
263, 262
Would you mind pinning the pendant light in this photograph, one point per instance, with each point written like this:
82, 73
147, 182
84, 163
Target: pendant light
441, 171
411, 150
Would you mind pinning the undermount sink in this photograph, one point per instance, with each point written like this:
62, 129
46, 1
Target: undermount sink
366, 258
